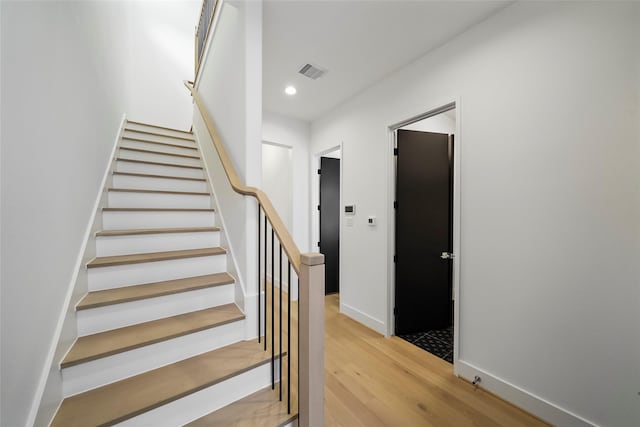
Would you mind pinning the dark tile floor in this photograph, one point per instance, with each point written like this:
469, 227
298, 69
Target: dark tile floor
438, 342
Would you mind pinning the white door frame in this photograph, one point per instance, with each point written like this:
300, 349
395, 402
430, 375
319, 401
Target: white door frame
315, 201
456, 219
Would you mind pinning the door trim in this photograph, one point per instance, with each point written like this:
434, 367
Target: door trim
315, 201
391, 193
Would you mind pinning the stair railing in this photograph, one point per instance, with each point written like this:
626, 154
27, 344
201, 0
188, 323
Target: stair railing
309, 268
207, 13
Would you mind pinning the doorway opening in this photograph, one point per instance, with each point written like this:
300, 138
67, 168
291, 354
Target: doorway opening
327, 199
277, 183
424, 256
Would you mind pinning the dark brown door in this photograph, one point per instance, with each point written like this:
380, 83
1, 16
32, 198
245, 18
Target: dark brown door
330, 221
423, 231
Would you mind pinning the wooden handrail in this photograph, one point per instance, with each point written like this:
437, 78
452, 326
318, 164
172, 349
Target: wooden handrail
288, 245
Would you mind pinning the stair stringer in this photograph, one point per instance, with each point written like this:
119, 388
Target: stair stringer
231, 201
49, 394
53, 391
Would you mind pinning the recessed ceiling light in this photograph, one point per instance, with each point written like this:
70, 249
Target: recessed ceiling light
290, 90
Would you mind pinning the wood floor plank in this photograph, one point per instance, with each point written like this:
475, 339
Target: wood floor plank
162, 153
103, 344
149, 175
375, 381
152, 290
388, 380
124, 399
139, 231
158, 126
109, 261
261, 409
167, 144
144, 132
174, 165
158, 210
143, 190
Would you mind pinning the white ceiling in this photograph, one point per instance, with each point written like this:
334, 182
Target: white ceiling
359, 42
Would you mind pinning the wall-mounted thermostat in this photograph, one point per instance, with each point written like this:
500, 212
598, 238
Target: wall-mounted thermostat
350, 210
371, 221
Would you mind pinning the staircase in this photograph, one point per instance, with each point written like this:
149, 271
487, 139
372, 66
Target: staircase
160, 338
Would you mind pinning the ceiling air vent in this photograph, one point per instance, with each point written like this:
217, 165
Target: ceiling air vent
312, 71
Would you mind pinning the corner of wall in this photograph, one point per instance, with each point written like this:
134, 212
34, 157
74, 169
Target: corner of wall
225, 199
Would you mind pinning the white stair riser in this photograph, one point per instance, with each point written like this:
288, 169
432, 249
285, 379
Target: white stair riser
124, 199
159, 135
86, 376
153, 157
145, 243
158, 169
199, 404
115, 220
147, 183
146, 272
172, 149
101, 319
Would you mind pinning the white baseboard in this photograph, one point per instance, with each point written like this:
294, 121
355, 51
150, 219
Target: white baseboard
251, 316
363, 318
536, 405
44, 375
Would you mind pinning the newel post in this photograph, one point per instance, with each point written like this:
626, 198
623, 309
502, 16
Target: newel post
311, 339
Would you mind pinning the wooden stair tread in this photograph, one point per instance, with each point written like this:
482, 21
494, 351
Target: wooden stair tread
124, 399
159, 134
142, 190
157, 126
138, 231
149, 175
109, 261
146, 162
103, 344
151, 290
159, 209
162, 153
168, 144
260, 409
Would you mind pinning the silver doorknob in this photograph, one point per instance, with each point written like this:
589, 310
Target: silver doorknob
447, 255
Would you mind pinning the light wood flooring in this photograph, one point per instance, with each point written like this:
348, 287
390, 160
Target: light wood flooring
375, 381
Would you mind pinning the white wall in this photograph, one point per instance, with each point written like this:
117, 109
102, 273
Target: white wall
230, 85
293, 133
62, 100
277, 176
550, 157
1, 162
160, 53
